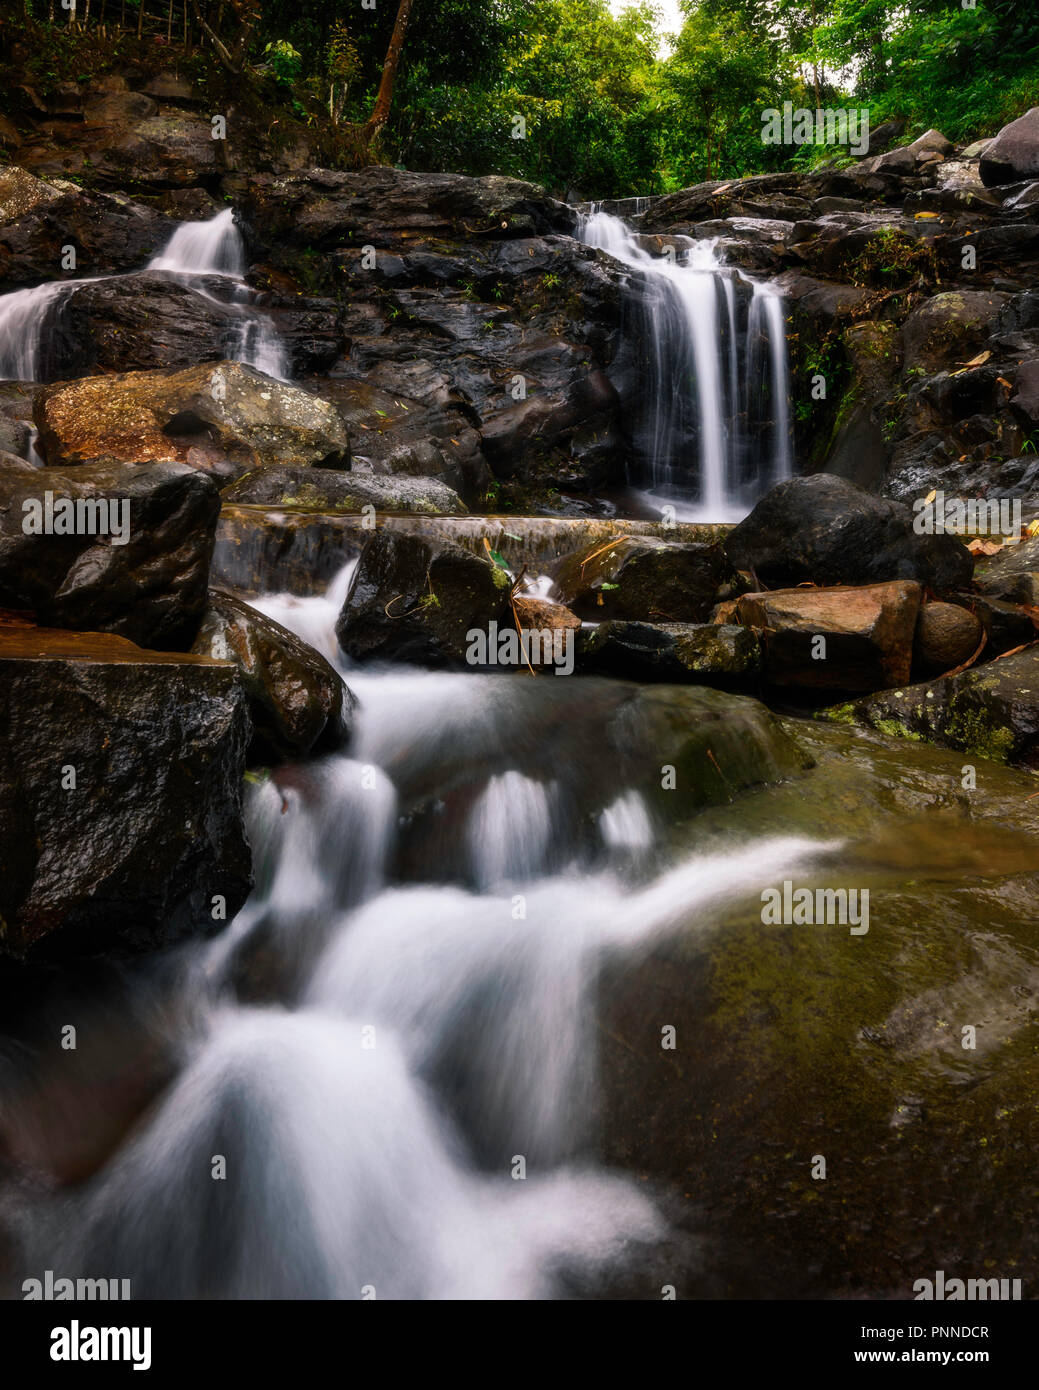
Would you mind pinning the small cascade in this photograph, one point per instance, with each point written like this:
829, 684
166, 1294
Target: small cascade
204, 248
713, 433
196, 253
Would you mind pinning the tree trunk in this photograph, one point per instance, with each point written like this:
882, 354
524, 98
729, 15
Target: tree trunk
383, 102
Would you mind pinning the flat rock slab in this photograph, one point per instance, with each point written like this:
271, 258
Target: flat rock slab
990, 711
120, 795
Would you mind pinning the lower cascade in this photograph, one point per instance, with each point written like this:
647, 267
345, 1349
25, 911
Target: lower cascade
391, 1053
713, 431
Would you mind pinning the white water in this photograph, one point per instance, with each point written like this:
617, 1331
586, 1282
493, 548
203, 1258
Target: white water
434, 1035
196, 251
699, 431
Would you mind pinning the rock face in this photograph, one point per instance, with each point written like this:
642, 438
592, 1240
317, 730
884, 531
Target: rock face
205, 416
645, 579
415, 599
828, 531
328, 490
297, 702
990, 711
867, 634
1014, 153
148, 843
705, 652
137, 563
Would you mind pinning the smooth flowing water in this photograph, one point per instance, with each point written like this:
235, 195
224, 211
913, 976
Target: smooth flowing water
714, 430
391, 1054
195, 252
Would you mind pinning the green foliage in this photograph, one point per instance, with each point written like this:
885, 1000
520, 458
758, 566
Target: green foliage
284, 61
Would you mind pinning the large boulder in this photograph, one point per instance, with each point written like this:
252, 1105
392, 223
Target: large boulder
297, 702
109, 549
703, 653
208, 416
948, 329
826, 530
646, 579
109, 233
120, 795
384, 207
1014, 154
837, 639
329, 490
989, 711
416, 599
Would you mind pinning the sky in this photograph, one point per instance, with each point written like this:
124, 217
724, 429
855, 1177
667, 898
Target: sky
672, 20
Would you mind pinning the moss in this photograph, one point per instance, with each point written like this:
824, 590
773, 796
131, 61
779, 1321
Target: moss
839, 714
974, 732
894, 728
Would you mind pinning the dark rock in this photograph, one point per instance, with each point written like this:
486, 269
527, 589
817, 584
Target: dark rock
646, 580
150, 588
703, 653
946, 636
827, 531
882, 135
1013, 574
990, 711
950, 328
1014, 153
416, 599
149, 845
1007, 625
297, 701
328, 490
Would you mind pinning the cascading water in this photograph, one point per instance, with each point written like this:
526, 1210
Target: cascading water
713, 433
195, 252
386, 1032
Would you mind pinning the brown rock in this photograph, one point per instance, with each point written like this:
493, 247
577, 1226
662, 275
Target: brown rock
946, 636
867, 634
543, 613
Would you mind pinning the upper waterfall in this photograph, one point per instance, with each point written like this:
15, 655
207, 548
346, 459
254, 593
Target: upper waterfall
713, 430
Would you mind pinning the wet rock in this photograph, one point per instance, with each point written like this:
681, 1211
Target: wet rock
991, 711
701, 653
542, 613
136, 323
149, 843
787, 1034
204, 416
828, 531
329, 490
297, 702
946, 636
838, 639
415, 599
1013, 574
950, 328
645, 579
110, 233
20, 192
1014, 153
1008, 625
136, 563
381, 206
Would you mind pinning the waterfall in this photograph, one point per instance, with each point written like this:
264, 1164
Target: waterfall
195, 252
204, 248
424, 1036
712, 432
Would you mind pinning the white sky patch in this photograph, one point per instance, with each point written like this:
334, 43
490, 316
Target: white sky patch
671, 16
